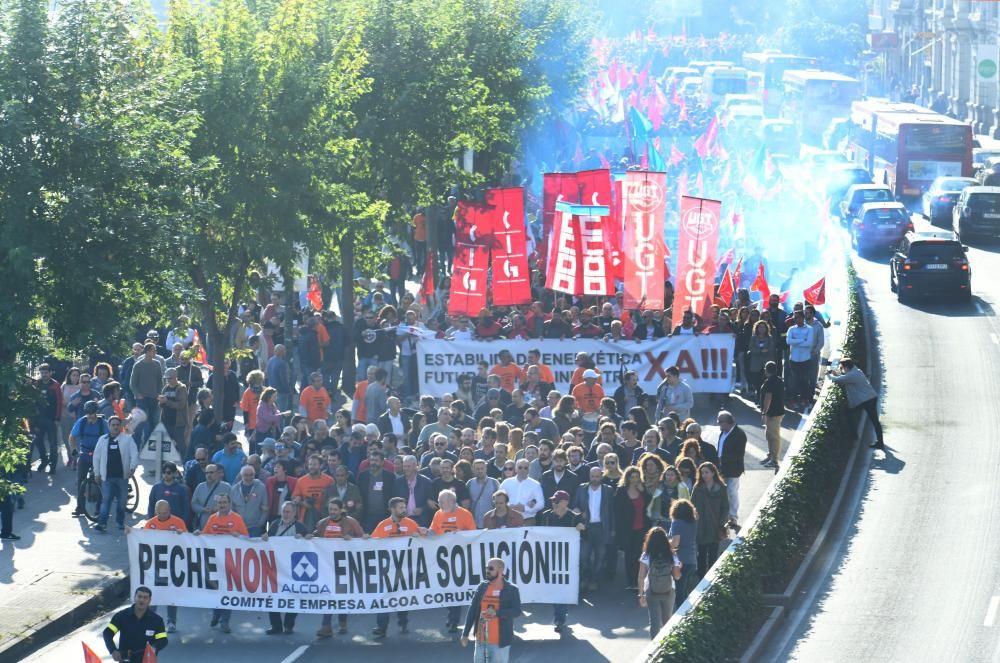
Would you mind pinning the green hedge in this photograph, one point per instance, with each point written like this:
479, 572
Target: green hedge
727, 617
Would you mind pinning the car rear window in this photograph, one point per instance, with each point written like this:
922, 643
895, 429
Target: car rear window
875, 196
888, 215
984, 201
953, 185
936, 251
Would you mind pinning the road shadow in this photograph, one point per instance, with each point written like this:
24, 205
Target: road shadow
951, 308
889, 462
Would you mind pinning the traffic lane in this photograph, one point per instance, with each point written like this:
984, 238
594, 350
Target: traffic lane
916, 577
606, 626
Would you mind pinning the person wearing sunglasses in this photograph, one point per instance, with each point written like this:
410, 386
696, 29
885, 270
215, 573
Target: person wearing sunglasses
495, 606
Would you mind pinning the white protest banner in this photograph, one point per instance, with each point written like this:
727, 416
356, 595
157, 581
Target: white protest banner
285, 574
704, 360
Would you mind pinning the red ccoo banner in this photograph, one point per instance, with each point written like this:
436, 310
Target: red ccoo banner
643, 204
473, 234
697, 247
509, 249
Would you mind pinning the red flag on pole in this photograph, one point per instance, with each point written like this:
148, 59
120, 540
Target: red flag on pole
783, 297
315, 293
760, 284
676, 156
473, 234
149, 656
706, 140
88, 654
509, 247
427, 283
738, 272
726, 289
816, 293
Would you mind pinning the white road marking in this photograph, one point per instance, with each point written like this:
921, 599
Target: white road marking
993, 337
991, 612
296, 655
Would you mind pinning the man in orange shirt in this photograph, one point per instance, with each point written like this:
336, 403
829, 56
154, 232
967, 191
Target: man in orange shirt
451, 518
314, 401
420, 241
495, 606
310, 490
337, 525
589, 393
508, 371
224, 521
164, 520
544, 372
397, 524
359, 412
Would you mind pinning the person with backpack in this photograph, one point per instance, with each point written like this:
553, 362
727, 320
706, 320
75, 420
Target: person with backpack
83, 438
658, 568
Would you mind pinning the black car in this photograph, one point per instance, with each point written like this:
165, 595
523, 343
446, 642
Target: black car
977, 213
930, 263
939, 200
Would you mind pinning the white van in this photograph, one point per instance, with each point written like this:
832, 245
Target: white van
717, 82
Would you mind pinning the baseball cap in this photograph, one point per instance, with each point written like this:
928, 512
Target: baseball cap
590, 373
493, 393
560, 495
269, 443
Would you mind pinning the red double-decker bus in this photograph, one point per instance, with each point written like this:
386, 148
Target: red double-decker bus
907, 146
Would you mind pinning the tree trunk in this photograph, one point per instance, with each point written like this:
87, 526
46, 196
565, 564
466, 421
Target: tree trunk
347, 308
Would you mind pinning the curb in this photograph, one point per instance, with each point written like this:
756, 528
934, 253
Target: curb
110, 592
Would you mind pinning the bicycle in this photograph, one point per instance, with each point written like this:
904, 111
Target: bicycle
93, 495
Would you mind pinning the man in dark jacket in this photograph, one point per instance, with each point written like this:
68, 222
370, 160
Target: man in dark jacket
416, 489
333, 354
43, 424
732, 448
377, 487
559, 477
600, 525
494, 607
310, 355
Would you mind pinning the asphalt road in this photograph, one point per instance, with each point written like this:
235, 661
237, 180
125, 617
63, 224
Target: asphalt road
917, 577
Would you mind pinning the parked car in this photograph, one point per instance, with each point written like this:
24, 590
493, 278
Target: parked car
879, 226
977, 213
930, 263
938, 201
860, 194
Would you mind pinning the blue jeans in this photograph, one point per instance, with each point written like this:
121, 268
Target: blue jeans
113, 489
487, 653
331, 377
593, 546
152, 409
222, 614
44, 434
455, 615
798, 375
684, 584
382, 619
83, 464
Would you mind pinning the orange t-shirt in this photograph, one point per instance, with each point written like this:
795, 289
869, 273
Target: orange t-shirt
488, 629
323, 337
544, 373
508, 375
172, 524
588, 399
359, 397
316, 402
578, 376
228, 524
459, 519
249, 404
388, 528
419, 227
312, 489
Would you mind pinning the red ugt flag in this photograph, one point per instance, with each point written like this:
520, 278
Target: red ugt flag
473, 233
816, 293
643, 202
509, 248
696, 261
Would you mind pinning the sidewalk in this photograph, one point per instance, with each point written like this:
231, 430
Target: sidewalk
61, 570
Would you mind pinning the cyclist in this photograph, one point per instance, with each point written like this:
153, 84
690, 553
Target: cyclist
115, 461
87, 430
136, 626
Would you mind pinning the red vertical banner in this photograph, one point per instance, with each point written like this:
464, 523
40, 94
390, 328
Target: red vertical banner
613, 244
644, 209
555, 187
473, 234
509, 256
564, 254
697, 247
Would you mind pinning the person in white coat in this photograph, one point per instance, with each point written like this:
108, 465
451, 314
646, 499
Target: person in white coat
116, 458
525, 493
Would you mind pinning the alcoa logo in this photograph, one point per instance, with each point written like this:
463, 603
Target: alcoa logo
305, 566
700, 222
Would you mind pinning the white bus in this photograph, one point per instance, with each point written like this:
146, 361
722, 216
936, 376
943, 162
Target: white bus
717, 82
812, 98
